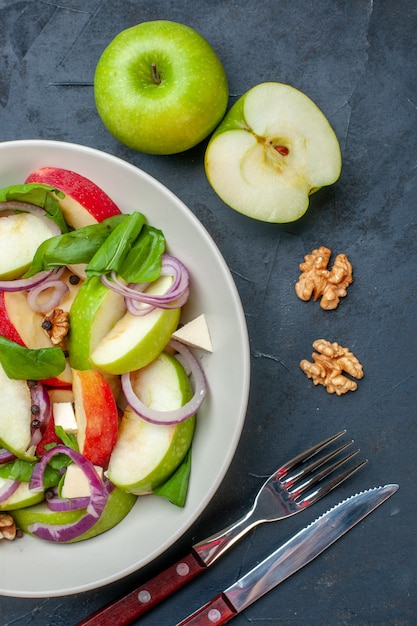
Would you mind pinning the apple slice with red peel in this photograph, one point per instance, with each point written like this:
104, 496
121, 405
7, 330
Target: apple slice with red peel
273, 149
85, 202
146, 454
96, 414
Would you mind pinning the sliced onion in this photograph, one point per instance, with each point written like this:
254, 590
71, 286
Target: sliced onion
26, 207
62, 533
58, 289
176, 415
24, 284
8, 489
138, 302
39, 398
6, 456
72, 504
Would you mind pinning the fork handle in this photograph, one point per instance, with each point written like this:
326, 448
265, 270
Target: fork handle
218, 611
124, 610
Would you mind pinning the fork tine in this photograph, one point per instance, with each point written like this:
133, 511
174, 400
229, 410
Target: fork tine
307, 470
314, 478
323, 490
307, 454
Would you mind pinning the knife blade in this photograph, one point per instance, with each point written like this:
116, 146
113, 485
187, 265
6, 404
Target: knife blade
301, 549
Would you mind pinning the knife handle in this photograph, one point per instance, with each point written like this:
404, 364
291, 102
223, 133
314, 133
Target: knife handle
122, 611
215, 613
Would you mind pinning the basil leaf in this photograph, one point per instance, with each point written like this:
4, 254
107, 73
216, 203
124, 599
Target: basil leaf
77, 246
27, 364
114, 250
143, 261
18, 469
68, 439
176, 487
39, 195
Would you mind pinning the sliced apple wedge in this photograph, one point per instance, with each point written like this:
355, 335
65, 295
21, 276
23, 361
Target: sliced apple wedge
85, 203
146, 454
22, 497
20, 236
15, 415
273, 150
136, 340
118, 506
96, 415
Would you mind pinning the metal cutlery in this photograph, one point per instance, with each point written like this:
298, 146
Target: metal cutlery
296, 485
302, 548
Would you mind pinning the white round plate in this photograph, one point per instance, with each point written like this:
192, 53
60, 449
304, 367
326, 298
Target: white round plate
34, 568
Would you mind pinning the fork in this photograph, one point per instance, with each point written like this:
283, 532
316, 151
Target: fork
293, 487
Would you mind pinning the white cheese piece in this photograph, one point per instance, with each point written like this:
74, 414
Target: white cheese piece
64, 416
76, 484
195, 334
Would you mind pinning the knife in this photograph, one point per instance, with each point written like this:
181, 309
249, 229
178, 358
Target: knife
305, 546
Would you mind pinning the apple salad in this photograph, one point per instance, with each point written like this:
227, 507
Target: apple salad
99, 387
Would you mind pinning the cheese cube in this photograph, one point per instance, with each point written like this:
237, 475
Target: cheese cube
76, 484
195, 334
64, 416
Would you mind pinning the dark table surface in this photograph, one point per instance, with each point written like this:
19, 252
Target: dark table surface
357, 60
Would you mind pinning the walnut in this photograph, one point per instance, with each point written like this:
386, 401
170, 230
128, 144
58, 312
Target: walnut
56, 325
318, 281
330, 361
7, 527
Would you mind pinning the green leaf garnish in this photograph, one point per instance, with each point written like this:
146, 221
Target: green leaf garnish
176, 487
143, 261
39, 195
68, 439
28, 364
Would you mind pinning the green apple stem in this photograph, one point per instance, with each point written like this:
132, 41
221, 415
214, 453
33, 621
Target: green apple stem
156, 77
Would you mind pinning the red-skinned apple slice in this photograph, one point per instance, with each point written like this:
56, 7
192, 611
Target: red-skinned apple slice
21, 324
85, 203
96, 414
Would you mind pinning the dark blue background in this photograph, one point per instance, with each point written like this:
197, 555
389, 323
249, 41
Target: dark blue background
357, 60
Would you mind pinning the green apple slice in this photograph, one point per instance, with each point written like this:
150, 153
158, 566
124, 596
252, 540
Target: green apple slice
20, 236
22, 497
146, 454
15, 415
118, 506
95, 310
136, 340
273, 150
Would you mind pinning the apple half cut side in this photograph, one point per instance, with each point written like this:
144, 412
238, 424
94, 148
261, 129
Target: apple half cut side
84, 203
273, 150
136, 340
118, 505
146, 454
22, 497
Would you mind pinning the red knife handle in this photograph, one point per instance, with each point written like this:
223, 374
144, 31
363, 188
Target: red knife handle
136, 603
216, 612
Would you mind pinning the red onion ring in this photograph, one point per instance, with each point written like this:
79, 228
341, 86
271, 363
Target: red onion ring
59, 289
6, 456
8, 488
174, 416
138, 302
62, 533
39, 398
23, 284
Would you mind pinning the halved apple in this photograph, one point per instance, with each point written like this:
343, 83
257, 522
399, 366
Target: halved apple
118, 506
22, 497
136, 340
15, 415
20, 236
146, 454
273, 149
96, 415
84, 203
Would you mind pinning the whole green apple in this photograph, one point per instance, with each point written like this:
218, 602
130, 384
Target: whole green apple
160, 88
273, 149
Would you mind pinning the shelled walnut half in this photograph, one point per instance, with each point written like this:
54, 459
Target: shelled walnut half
7, 527
318, 281
328, 367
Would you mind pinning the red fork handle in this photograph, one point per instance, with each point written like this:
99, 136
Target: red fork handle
138, 602
215, 613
